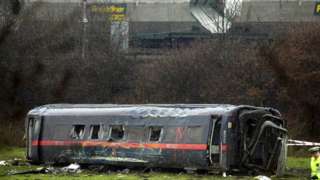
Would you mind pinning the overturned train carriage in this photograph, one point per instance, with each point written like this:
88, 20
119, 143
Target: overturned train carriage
210, 137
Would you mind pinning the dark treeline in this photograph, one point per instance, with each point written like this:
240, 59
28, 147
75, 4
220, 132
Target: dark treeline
42, 63
295, 61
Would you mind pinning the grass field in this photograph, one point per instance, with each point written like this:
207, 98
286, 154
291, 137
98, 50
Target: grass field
297, 169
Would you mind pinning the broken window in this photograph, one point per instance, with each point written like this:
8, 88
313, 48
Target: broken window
77, 132
105, 132
155, 133
194, 134
96, 132
216, 133
135, 133
215, 142
117, 132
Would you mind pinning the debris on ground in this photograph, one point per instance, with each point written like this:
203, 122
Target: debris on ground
3, 163
18, 162
14, 162
224, 174
190, 170
125, 171
261, 177
147, 170
98, 168
40, 170
72, 168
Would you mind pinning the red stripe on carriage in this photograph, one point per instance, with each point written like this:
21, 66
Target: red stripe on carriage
124, 145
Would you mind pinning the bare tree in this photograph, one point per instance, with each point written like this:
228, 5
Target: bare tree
9, 11
204, 73
41, 63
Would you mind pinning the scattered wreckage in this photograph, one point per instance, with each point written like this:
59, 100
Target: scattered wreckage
72, 168
219, 138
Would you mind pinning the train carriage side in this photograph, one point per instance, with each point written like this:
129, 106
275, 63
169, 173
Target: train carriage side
244, 138
176, 142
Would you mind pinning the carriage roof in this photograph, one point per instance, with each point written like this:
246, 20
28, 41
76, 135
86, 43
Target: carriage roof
145, 110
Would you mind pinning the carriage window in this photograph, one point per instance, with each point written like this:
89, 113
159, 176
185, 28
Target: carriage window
194, 134
106, 132
77, 132
155, 133
117, 132
95, 132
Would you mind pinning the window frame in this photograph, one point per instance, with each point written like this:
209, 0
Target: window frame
80, 136
100, 131
111, 127
150, 133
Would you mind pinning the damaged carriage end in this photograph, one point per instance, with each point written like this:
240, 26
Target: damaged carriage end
223, 138
263, 141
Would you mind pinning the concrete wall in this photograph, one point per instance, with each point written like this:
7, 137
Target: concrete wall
160, 12
278, 11
147, 16
137, 11
174, 16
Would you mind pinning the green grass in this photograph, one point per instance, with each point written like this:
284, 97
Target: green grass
9, 153
298, 162
130, 176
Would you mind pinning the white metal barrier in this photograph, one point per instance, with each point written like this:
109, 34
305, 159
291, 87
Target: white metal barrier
292, 142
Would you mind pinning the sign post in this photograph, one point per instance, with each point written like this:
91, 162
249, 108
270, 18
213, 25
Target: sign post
119, 25
317, 8
84, 29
